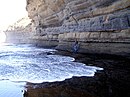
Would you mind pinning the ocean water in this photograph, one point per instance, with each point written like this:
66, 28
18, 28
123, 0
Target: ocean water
27, 63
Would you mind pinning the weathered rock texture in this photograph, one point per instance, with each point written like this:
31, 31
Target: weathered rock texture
100, 26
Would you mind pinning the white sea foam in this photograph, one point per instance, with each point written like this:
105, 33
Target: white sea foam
27, 63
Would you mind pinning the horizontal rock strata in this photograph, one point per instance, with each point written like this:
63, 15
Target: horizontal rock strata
106, 22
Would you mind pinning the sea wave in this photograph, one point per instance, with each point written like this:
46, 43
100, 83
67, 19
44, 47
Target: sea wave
32, 64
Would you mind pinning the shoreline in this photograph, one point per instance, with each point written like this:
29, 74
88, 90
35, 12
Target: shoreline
113, 81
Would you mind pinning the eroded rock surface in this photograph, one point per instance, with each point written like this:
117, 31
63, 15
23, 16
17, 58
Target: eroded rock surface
100, 26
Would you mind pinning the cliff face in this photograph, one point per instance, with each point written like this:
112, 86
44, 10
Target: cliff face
100, 26
19, 32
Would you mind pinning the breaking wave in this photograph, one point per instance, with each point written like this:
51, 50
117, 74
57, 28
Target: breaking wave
32, 64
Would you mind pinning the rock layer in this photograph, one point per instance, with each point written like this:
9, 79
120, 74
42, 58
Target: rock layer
100, 26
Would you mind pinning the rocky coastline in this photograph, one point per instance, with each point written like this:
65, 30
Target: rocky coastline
101, 27
113, 81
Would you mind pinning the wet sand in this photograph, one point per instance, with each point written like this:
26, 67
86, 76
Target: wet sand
113, 81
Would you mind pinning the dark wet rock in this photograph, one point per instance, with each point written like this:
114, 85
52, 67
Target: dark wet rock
113, 81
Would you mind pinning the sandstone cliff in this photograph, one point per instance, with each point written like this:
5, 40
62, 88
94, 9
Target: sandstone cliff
100, 26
